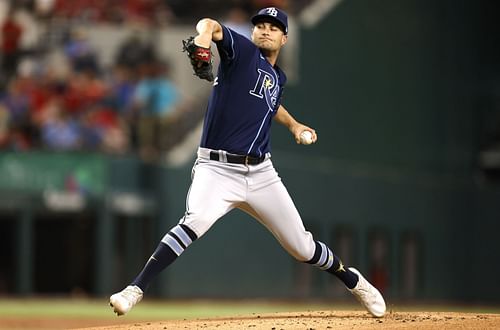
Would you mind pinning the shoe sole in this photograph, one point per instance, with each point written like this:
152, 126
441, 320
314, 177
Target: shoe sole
117, 312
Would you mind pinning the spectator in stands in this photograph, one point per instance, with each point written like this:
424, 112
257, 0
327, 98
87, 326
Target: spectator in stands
15, 108
50, 82
60, 131
121, 88
4, 127
84, 90
11, 33
150, 12
16, 103
61, 101
120, 98
44, 8
116, 136
154, 103
135, 50
102, 129
80, 52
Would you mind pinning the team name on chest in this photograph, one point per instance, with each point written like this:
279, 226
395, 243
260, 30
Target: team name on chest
266, 88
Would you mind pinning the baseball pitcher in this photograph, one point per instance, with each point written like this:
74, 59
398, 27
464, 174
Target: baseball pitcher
234, 167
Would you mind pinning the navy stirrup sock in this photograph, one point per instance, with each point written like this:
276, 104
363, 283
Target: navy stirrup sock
326, 260
170, 247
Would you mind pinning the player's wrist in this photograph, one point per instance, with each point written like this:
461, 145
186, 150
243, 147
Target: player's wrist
205, 29
203, 40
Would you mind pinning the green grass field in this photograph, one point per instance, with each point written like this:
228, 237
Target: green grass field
185, 309
188, 309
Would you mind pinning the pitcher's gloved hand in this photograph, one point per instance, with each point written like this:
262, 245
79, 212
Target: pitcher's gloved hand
200, 57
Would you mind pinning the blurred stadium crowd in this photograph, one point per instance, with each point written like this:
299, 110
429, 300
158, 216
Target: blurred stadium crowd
56, 95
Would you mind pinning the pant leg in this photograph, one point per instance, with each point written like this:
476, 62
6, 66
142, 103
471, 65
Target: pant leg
215, 190
270, 203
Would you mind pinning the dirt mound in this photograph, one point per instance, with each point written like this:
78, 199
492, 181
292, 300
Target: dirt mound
328, 320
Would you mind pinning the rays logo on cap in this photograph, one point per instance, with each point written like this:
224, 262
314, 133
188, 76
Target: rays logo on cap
277, 15
272, 11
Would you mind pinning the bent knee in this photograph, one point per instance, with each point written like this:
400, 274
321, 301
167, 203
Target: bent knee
302, 252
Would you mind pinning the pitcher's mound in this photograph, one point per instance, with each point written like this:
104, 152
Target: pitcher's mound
328, 320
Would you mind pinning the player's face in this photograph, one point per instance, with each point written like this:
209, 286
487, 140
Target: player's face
268, 36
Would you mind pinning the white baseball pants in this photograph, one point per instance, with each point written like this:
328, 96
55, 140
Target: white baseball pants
218, 187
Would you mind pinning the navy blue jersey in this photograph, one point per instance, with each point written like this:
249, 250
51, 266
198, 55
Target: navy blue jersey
244, 99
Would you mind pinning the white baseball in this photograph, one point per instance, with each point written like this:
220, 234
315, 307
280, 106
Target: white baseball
306, 137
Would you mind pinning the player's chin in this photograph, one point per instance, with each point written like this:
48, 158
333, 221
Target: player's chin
266, 47
260, 44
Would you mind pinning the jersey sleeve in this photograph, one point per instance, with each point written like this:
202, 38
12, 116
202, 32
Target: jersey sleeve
232, 44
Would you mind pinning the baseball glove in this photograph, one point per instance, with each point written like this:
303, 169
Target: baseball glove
200, 57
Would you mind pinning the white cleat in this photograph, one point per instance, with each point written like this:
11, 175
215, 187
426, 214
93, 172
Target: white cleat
123, 301
368, 295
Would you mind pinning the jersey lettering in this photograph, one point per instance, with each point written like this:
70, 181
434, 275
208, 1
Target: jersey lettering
266, 87
259, 84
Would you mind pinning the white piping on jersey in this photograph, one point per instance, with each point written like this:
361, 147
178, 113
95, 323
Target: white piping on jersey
276, 79
268, 98
258, 133
188, 193
275, 75
272, 68
232, 43
270, 109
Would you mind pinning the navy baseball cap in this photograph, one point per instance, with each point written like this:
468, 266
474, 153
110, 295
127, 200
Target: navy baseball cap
273, 14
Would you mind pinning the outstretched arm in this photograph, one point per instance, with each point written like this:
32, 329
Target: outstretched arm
208, 30
285, 118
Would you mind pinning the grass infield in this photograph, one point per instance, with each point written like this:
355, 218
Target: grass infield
190, 309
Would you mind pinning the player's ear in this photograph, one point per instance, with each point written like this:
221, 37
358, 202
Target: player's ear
253, 32
284, 39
